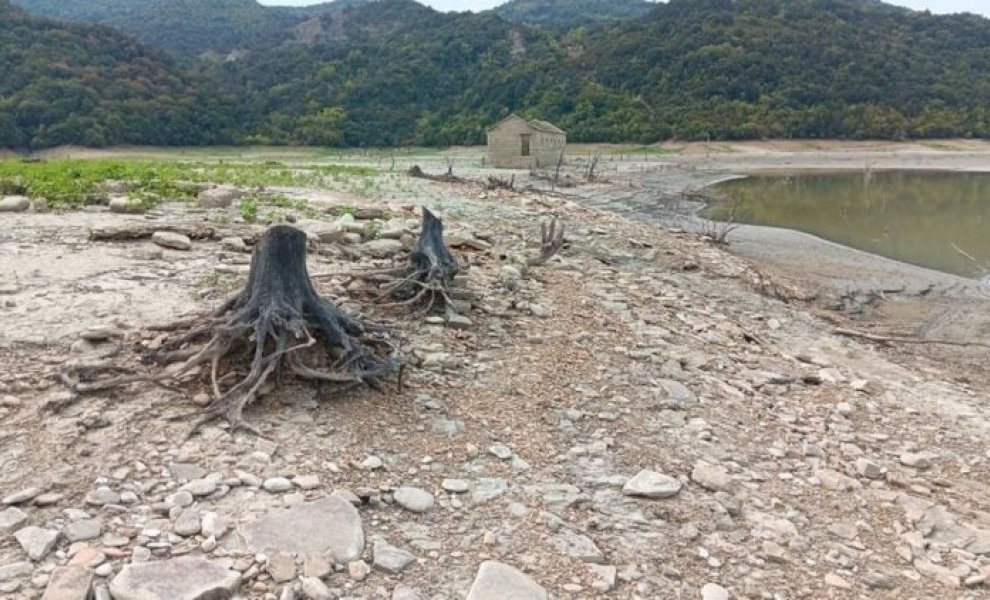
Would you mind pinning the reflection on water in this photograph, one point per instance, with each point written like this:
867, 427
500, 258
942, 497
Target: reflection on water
929, 219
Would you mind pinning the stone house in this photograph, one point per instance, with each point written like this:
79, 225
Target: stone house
515, 143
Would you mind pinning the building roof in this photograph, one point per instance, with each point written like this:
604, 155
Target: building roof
535, 124
545, 127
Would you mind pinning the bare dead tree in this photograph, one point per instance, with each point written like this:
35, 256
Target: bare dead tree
276, 325
589, 174
556, 172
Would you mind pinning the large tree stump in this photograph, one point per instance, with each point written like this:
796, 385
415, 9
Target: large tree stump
276, 325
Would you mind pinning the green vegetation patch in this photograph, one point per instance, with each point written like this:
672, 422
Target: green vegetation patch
73, 183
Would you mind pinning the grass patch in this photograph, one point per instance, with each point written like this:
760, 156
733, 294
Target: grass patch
72, 183
650, 151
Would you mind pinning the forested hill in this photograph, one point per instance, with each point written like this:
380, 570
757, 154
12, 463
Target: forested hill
189, 28
394, 72
794, 68
91, 85
563, 15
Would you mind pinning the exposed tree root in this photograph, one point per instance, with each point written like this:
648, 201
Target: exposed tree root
277, 325
429, 281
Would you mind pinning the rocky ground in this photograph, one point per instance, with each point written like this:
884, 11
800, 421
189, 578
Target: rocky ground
640, 418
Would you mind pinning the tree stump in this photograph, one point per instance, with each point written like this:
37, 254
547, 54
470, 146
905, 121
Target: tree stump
276, 325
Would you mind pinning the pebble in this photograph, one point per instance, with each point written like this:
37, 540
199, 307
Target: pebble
277, 485
12, 519
371, 463
36, 542
14, 204
414, 499
81, 531
358, 570
455, 486
390, 559
915, 460
307, 482
833, 580
713, 591
200, 487
22, 496
189, 522
169, 239
650, 484
500, 451
314, 589
710, 477
497, 581
868, 469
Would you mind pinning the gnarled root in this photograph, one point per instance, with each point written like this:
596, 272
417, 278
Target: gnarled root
276, 325
428, 282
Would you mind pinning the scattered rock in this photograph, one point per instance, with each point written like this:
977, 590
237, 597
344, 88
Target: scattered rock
331, 524
371, 463
833, 580
81, 531
12, 571
184, 578
916, 460
14, 204
22, 496
36, 542
282, 567
307, 482
12, 519
578, 546
498, 581
221, 196
125, 205
713, 591
188, 523
358, 570
200, 487
382, 248
389, 558
169, 239
868, 469
234, 244
314, 589
277, 485
69, 583
488, 489
500, 450
650, 484
710, 477
455, 486
414, 499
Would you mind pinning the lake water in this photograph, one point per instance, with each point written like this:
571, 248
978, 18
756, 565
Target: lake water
930, 219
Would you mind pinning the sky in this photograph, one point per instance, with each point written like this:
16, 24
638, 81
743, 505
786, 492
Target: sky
936, 6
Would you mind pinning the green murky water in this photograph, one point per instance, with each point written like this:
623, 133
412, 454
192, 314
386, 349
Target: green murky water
924, 218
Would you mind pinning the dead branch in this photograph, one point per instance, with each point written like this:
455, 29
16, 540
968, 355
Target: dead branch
448, 177
551, 241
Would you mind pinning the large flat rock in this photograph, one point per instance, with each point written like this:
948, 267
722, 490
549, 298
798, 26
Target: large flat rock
498, 581
185, 578
312, 528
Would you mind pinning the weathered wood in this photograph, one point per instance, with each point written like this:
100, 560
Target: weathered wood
276, 324
883, 339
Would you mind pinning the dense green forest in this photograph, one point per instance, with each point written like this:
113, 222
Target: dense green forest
90, 85
563, 15
188, 28
393, 72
